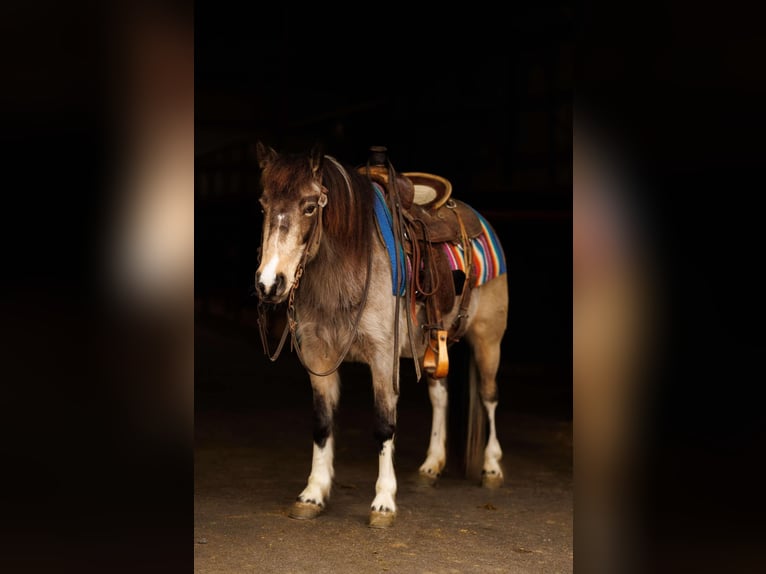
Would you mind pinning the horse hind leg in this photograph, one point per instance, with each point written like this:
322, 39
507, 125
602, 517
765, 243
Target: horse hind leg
486, 362
485, 336
492, 473
313, 499
436, 457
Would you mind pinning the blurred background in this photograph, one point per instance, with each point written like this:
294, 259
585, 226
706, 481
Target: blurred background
668, 289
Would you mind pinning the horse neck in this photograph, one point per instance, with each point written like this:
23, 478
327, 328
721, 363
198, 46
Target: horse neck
331, 280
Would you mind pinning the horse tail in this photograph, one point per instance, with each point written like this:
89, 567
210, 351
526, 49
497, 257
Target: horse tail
476, 430
467, 418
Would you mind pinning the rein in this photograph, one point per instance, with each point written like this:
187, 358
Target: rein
312, 246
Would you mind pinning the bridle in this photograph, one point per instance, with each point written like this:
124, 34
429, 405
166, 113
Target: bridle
312, 248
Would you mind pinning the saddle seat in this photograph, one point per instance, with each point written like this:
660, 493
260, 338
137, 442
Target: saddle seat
426, 201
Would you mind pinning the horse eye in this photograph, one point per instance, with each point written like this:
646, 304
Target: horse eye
309, 209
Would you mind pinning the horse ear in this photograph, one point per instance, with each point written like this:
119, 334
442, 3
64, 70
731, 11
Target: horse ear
317, 153
265, 154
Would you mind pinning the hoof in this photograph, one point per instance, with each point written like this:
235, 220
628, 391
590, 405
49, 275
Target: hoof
491, 481
381, 519
425, 479
305, 510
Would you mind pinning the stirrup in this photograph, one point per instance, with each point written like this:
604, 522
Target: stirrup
436, 361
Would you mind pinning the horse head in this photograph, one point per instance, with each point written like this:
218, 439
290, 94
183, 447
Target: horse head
292, 198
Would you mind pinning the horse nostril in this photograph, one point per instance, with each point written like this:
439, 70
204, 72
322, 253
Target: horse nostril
279, 284
259, 287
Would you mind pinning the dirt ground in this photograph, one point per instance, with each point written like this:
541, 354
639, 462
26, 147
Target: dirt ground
253, 455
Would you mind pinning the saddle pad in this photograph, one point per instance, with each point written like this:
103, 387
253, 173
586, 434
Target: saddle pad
386, 226
487, 258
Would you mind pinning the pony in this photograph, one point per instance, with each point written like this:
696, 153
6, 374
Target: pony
324, 258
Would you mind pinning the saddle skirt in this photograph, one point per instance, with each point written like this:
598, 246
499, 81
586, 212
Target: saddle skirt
487, 256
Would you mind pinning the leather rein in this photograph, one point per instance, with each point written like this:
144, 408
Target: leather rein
312, 246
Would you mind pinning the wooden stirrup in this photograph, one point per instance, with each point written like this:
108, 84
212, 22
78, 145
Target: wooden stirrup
436, 361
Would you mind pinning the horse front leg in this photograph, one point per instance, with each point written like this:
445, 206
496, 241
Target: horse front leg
313, 499
383, 509
436, 457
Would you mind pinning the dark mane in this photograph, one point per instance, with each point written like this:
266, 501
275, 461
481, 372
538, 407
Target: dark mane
348, 216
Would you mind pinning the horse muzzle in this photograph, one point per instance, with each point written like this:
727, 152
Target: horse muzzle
273, 292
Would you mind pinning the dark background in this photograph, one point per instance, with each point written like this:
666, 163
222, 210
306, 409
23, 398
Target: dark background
483, 98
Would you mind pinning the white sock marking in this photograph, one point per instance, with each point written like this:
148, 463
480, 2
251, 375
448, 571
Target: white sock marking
437, 457
322, 472
385, 487
492, 453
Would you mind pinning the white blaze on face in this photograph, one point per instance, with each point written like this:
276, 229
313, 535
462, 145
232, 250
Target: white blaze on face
269, 270
281, 252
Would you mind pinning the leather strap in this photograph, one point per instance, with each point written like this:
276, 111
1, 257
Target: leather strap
457, 330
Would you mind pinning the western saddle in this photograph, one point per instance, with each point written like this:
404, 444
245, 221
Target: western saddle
424, 217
